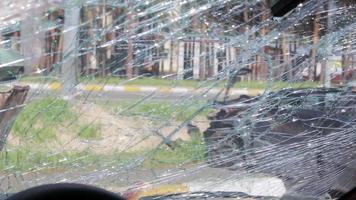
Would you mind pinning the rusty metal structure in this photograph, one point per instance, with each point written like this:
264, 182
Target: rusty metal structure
11, 103
259, 134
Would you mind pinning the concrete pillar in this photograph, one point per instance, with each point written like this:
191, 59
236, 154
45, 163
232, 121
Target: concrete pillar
196, 60
109, 21
216, 61
70, 48
232, 54
167, 60
174, 56
32, 39
180, 71
26, 44
228, 55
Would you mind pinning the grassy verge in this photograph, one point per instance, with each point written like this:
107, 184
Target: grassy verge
157, 110
140, 81
195, 83
41, 120
186, 153
89, 131
38, 79
28, 158
275, 85
116, 81
156, 82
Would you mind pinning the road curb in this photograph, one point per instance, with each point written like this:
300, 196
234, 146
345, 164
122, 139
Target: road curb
247, 188
56, 86
162, 190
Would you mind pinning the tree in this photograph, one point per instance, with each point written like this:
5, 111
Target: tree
130, 47
315, 41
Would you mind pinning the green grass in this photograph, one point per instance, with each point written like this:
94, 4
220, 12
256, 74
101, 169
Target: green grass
39, 124
140, 81
40, 119
275, 85
157, 110
185, 153
193, 83
115, 81
38, 79
29, 157
89, 131
157, 82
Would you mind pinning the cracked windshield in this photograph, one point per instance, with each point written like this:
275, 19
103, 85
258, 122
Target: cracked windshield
179, 99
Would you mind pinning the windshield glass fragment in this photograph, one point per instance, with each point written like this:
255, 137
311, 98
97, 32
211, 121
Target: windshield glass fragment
167, 99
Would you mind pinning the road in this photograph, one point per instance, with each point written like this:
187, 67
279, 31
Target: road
128, 92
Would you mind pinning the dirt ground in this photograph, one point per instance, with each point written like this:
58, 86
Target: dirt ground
117, 133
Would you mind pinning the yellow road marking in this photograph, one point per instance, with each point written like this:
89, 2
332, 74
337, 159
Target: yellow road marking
132, 89
55, 86
165, 90
163, 190
93, 87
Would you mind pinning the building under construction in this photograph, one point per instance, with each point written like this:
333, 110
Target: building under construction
111, 43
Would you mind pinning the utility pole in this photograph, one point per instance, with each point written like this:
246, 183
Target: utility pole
327, 80
103, 50
315, 39
130, 48
70, 48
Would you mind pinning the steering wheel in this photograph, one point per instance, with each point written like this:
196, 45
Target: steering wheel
65, 191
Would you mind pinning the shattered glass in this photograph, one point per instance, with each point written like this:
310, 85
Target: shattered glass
190, 99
